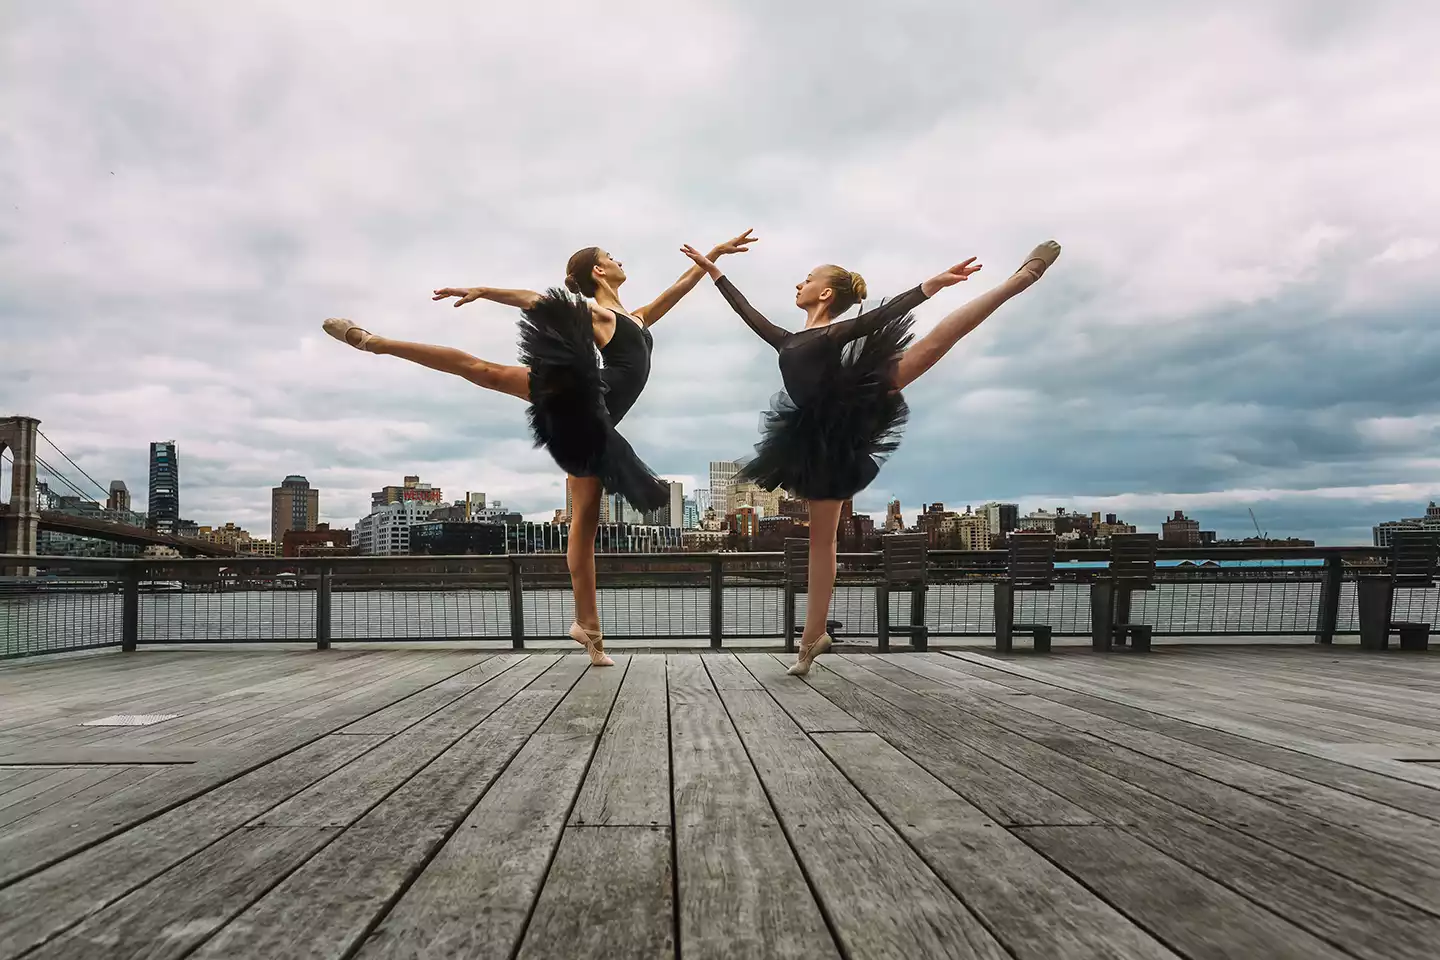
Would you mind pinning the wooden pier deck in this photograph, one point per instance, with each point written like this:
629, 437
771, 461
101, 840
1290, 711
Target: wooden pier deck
1201, 803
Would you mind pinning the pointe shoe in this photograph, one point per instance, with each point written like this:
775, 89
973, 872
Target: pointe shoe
808, 655
1046, 254
594, 644
340, 329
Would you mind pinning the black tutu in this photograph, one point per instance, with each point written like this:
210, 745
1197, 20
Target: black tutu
568, 415
831, 446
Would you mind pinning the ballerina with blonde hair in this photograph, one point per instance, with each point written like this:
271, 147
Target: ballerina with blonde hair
841, 412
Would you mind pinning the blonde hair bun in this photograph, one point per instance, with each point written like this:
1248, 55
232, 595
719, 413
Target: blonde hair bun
857, 283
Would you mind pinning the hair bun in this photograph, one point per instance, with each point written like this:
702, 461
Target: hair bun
571, 284
857, 283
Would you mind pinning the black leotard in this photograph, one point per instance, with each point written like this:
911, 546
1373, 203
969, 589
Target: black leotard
840, 415
575, 403
627, 365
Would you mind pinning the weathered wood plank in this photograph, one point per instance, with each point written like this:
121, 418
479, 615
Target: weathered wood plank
609, 894
726, 673
1413, 798
325, 908
18, 805
741, 890
629, 779
93, 790
41, 906
1198, 917
412, 710
167, 918
110, 754
1005, 795
69, 827
47, 780
1353, 917
1333, 907
345, 795
880, 896
1033, 908
810, 711
474, 897
1208, 715
1406, 864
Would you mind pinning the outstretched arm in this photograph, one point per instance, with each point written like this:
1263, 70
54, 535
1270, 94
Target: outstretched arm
771, 334
524, 299
871, 320
661, 305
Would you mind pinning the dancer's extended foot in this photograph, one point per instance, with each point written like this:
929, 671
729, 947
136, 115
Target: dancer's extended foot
808, 653
1035, 265
594, 643
347, 332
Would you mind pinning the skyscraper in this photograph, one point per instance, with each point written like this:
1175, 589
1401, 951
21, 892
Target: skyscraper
722, 483
294, 505
1002, 517
164, 501
119, 496
672, 514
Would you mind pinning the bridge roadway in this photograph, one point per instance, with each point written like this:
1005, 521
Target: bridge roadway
56, 522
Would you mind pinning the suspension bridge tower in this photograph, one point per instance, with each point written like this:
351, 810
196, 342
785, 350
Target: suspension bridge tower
21, 522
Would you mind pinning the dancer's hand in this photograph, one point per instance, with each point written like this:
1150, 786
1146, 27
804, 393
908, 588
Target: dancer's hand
740, 244
466, 294
702, 261
948, 278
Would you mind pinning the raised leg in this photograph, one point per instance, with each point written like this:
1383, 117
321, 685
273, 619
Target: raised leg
503, 378
928, 350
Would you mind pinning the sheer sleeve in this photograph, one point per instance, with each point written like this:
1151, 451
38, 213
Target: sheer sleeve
872, 320
768, 332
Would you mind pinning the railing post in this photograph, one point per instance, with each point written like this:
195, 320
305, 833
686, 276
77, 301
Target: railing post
322, 609
1330, 599
717, 602
130, 608
517, 605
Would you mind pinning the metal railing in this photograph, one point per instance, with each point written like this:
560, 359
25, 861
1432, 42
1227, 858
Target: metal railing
708, 598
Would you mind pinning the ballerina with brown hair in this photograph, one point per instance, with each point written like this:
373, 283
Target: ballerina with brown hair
575, 403
841, 412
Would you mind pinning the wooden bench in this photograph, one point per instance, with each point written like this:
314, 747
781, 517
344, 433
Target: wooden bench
1132, 568
797, 580
1414, 555
904, 557
1031, 567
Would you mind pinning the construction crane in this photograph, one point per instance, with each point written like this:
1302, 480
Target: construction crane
1262, 536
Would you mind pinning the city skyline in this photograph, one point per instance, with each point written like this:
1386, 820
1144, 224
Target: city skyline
1241, 319
412, 489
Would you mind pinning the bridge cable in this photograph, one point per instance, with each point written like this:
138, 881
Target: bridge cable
104, 490
62, 478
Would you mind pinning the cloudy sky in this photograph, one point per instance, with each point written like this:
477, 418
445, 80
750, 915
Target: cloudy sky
1244, 314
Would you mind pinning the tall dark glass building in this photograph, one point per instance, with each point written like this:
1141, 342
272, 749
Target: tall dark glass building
164, 503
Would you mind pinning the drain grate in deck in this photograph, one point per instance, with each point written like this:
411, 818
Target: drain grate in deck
130, 720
